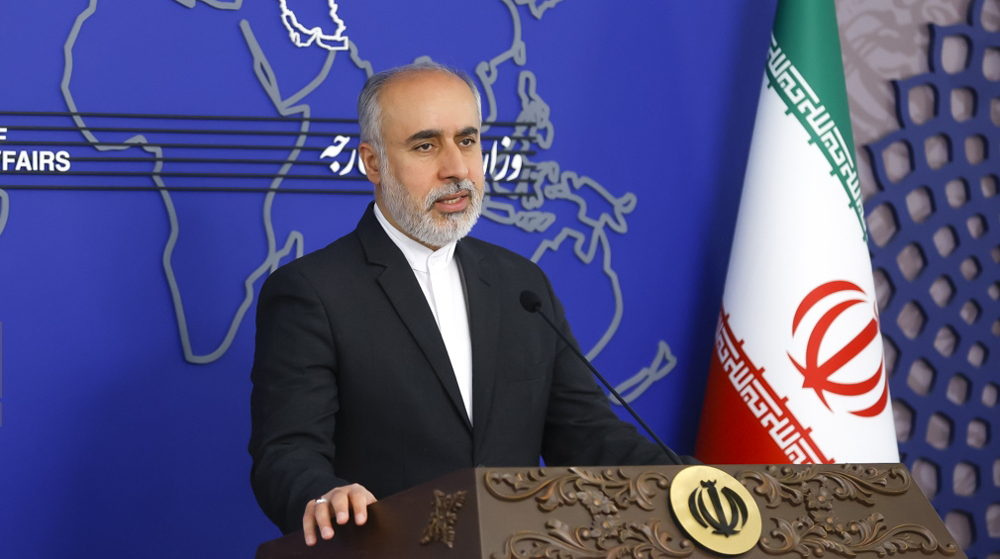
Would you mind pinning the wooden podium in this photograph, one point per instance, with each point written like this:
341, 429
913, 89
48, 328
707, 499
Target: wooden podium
645, 512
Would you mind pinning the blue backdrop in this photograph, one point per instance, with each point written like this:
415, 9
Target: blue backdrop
127, 333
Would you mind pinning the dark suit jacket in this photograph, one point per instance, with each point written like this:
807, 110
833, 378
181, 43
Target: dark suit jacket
352, 382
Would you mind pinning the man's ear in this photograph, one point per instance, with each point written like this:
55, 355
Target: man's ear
370, 160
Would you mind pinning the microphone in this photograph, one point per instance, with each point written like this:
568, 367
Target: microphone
531, 303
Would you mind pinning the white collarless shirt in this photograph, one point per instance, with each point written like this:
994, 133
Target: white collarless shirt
439, 276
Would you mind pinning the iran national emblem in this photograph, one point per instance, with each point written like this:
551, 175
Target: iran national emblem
833, 299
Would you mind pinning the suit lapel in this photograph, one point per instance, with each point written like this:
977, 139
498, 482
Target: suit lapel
485, 310
403, 291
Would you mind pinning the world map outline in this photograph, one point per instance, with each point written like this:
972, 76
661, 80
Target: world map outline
544, 181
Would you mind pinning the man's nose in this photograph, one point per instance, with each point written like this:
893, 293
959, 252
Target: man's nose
453, 166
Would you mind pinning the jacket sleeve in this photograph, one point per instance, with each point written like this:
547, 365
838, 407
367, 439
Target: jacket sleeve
294, 403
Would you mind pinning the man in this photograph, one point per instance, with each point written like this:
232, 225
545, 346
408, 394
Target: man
398, 353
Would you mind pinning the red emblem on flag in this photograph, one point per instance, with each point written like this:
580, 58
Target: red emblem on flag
816, 375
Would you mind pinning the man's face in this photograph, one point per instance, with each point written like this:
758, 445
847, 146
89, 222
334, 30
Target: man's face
430, 185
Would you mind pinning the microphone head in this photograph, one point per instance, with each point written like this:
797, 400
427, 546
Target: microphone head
530, 301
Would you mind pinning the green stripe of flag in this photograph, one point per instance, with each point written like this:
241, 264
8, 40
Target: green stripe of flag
806, 70
807, 31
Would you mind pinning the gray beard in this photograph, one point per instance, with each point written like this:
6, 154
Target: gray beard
419, 221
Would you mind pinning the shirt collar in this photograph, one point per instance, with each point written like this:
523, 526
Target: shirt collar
420, 257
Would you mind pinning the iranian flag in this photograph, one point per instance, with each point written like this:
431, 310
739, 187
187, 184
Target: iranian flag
797, 372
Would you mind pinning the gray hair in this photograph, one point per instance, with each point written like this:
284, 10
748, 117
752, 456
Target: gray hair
370, 111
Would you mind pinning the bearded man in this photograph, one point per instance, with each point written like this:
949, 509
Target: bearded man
399, 353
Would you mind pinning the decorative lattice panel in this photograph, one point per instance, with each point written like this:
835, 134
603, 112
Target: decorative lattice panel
935, 242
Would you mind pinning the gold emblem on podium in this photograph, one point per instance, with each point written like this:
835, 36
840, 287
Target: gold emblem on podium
715, 510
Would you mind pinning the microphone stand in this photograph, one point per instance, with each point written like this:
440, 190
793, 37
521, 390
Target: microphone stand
532, 304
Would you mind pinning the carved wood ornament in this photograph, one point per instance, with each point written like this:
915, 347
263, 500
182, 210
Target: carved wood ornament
444, 514
821, 529
604, 495
813, 493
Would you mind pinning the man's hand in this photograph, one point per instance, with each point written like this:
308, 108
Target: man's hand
342, 500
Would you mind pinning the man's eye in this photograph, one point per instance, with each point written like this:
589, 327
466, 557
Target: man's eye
469, 142
424, 147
